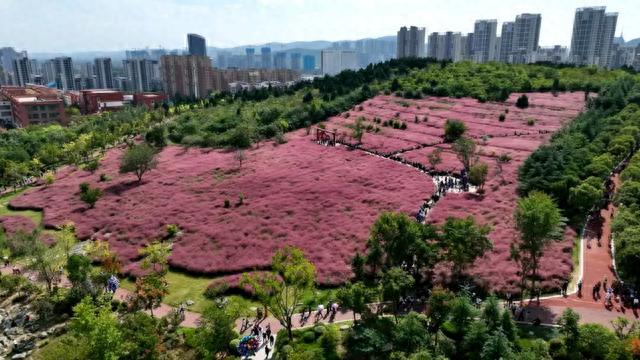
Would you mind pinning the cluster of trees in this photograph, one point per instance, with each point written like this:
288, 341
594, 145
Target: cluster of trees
573, 167
31, 151
626, 223
496, 81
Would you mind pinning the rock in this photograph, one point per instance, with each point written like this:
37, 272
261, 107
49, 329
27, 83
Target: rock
189, 302
43, 335
19, 356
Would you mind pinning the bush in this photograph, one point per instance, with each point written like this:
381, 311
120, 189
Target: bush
89, 195
522, 102
453, 130
319, 330
531, 122
309, 337
84, 187
104, 177
502, 117
49, 178
172, 230
227, 203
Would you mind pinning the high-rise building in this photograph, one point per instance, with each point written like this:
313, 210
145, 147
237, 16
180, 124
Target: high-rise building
104, 75
280, 60
265, 54
251, 55
63, 67
526, 37
592, 39
484, 40
196, 45
142, 74
22, 71
410, 42
296, 61
7, 55
506, 41
309, 63
49, 72
335, 61
447, 46
186, 75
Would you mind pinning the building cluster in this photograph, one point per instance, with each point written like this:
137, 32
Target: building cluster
592, 42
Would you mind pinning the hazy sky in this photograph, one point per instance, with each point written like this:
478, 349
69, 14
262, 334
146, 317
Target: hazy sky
78, 25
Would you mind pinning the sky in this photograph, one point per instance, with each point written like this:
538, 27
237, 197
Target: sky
89, 25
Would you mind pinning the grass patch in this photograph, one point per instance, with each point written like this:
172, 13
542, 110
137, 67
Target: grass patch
36, 216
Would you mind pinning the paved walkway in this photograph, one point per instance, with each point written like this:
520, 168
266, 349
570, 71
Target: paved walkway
596, 265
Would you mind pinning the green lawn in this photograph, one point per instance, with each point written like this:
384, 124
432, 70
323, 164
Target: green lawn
36, 216
528, 333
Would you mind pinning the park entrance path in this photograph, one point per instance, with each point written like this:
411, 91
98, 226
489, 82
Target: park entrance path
596, 264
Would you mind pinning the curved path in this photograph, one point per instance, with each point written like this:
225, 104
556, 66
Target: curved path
596, 264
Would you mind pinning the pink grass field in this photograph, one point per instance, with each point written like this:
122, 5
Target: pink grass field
14, 223
513, 136
322, 200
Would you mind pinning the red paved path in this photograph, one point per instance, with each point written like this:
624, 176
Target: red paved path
596, 265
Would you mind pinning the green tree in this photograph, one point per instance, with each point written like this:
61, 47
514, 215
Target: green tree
465, 150
138, 159
46, 263
596, 341
539, 222
142, 335
491, 314
453, 130
96, 325
475, 339
66, 238
153, 287
463, 242
355, 297
478, 175
396, 283
397, 240
497, 347
157, 136
569, 329
586, 195
508, 326
78, 270
411, 335
215, 332
282, 290
438, 308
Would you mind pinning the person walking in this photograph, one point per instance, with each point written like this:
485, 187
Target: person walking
267, 350
579, 288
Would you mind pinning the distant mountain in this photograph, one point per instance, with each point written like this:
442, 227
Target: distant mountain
634, 42
299, 46
84, 56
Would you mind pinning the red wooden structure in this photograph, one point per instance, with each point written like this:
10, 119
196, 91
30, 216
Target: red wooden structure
325, 136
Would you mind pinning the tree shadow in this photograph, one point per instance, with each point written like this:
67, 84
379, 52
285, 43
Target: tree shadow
122, 187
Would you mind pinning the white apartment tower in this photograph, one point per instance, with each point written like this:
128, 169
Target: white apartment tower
592, 39
526, 37
484, 40
410, 42
335, 61
446, 46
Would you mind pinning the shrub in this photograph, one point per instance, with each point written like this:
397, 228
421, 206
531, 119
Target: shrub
92, 165
49, 178
319, 330
502, 117
90, 196
172, 230
104, 177
227, 203
531, 122
309, 337
453, 130
240, 199
84, 187
522, 102
403, 126
346, 115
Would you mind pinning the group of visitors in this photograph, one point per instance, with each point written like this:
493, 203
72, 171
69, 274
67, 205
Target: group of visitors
264, 336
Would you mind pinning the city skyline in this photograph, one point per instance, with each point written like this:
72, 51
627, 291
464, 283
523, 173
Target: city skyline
164, 22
